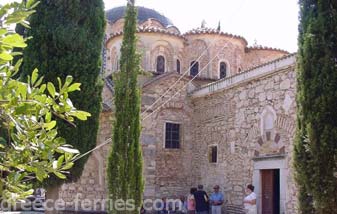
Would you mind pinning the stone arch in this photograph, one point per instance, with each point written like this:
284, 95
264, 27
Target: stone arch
197, 50
160, 64
267, 119
224, 51
275, 133
228, 67
180, 57
165, 49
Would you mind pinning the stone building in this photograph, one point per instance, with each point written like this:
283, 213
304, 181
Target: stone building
215, 111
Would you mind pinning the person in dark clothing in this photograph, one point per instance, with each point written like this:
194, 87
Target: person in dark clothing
201, 201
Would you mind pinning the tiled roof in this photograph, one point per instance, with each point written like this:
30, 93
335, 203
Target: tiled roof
260, 47
149, 29
206, 30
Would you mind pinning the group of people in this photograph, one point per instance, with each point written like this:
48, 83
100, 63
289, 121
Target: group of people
198, 201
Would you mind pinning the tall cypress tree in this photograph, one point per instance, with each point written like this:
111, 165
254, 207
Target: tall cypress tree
316, 140
125, 162
67, 40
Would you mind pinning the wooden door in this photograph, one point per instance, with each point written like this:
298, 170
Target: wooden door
268, 182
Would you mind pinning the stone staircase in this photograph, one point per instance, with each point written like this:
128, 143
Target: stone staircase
234, 209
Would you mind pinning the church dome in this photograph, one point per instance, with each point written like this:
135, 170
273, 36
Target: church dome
144, 14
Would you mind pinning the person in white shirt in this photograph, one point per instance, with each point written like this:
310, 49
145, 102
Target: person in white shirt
249, 201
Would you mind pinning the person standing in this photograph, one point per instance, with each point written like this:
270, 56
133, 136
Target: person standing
216, 200
250, 200
191, 201
201, 201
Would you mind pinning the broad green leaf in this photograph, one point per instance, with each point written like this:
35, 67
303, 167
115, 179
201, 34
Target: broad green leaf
38, 83
35, 75
14, 40
17, 66
22, 90
74, 87
51, 89
68, 166
48, 117
30, 3
22, 109
50, 125
69, 79
6, 56
3, 31
60, 161
59, 82
60, 175
25, 24
42, 88
39, 175
82, 115
17, 17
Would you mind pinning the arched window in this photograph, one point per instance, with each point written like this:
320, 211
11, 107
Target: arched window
268, 122
160, 64
194, 69
178, 66
223, 70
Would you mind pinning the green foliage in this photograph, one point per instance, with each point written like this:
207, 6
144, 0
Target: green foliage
125, 160
30, 147
316, 140
67, 40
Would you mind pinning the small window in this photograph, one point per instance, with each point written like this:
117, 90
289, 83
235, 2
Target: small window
178, 66
223, 70
213, 154
194, 69
160, 64
172, 136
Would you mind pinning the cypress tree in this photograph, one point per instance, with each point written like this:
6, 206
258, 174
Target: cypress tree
125, 160
316, 140
67, 40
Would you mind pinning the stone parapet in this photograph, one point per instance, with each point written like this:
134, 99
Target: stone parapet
254, 73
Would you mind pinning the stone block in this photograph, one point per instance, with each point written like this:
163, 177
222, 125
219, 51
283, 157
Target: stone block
285, 84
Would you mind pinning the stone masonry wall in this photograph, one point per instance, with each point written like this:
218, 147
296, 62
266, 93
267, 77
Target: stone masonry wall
252, 120
166, 170
92, 184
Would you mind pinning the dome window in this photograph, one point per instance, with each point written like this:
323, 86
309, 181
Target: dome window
223, 70
194, 68
160, 64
